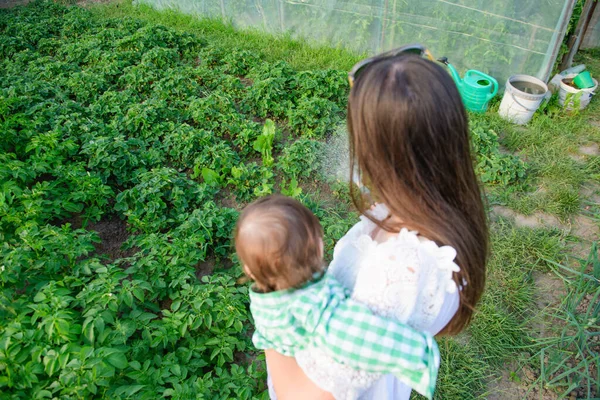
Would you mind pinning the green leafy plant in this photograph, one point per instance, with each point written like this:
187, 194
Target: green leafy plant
218, 158
162, 198
301, 159
264, 143
329, 84
314, 117
271, 92
493, 166
210, 177
292, 189
240, 62
250, 181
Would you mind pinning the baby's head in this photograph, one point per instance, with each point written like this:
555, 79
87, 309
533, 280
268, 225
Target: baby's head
280, 243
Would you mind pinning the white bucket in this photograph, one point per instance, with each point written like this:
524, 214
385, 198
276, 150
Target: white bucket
568, 95
522, 97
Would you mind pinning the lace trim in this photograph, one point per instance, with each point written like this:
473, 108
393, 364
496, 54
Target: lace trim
443, 256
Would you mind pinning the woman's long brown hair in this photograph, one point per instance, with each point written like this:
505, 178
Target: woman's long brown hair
409, 137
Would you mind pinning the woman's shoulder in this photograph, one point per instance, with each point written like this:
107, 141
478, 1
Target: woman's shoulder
406, 277
407, 252
397, 252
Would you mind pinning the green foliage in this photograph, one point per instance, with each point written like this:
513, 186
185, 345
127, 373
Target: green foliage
116, 119
264, 143
208, 112
183, 143
271, 93
108, 116
549, 144
239, 62
301, 158
218, 158
161, 199
329, 85
568, 357
249, 181
314, 117
493, 166
244, 136
292, 189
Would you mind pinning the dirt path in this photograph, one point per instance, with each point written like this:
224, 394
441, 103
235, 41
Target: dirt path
13, 3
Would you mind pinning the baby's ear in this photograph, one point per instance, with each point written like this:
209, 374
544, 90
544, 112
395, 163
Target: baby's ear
248, 272
242, 280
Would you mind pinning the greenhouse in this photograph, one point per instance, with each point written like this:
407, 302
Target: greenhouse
498, 37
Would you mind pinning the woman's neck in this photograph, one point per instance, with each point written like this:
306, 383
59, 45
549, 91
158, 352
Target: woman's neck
381, 235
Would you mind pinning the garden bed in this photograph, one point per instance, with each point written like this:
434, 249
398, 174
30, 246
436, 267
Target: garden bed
127, 149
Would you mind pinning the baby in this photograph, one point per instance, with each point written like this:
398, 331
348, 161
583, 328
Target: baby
295, 305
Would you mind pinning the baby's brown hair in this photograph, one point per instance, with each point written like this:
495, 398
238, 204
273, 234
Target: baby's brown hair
279, 242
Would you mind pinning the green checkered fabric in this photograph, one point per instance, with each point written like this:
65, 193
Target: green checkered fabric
322, 315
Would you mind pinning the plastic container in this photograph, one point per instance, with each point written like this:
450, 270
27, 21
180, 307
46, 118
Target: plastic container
573, 70
523, 95
569, 96
584, 80
555, 82
476, 88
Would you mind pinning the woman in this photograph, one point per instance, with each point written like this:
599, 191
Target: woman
409, 137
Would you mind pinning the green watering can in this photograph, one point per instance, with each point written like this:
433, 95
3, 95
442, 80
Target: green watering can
476, 88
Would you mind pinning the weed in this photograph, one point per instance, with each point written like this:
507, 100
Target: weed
568, 362
264, 143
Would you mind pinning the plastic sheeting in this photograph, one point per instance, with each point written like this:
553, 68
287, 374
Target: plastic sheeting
500, 37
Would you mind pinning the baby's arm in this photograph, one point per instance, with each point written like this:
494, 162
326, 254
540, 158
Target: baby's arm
351, 334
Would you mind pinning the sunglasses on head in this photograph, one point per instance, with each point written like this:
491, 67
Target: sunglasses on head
415, 49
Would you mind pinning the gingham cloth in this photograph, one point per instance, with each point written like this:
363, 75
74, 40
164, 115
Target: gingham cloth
322, 315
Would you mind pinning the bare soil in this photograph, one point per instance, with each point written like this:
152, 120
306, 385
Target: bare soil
227, 198
205, 268
590, 149
113, 233
12, 3
537, 220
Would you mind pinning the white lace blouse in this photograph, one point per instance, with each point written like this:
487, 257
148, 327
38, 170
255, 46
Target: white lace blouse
408, 278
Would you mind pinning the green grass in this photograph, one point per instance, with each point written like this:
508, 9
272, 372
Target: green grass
500, 322
463, 372
568, 360
550, 146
